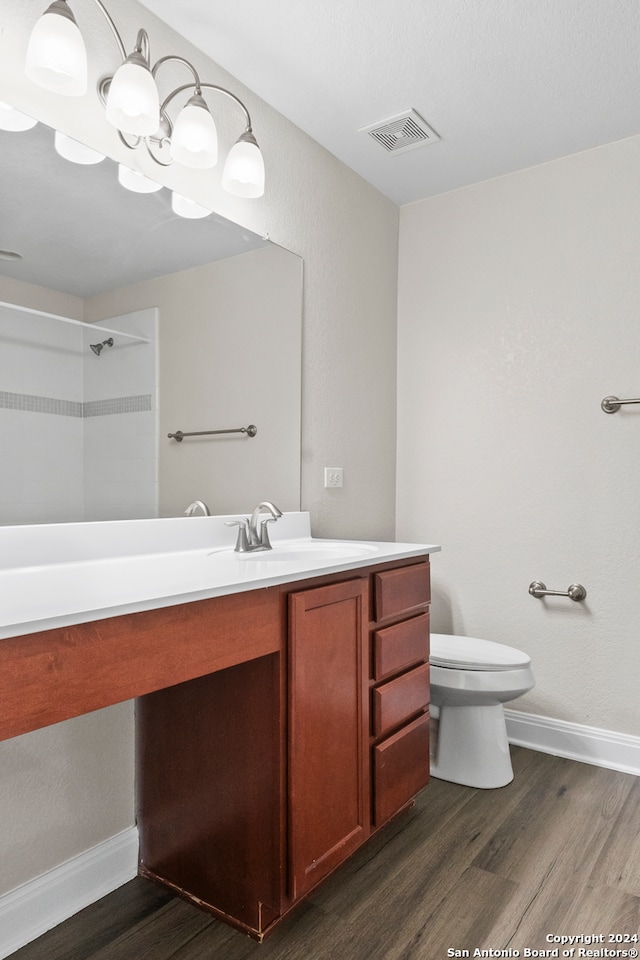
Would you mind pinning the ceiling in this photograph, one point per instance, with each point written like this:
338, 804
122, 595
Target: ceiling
506, 84
104, 236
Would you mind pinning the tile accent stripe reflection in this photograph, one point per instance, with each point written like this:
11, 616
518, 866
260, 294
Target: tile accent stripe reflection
34, 404
103, 408
73, 408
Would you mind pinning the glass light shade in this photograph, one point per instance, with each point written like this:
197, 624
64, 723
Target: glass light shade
185, 207
194, 141
243, 173
135, 181
75, 151
13, 120
132, 101
56, 55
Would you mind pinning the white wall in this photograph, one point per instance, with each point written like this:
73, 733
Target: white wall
518, 312
346, 233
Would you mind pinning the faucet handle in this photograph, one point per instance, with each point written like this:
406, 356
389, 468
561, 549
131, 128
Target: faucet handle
264, 533
242, 543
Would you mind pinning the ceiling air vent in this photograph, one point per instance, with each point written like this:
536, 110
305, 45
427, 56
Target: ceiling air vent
405, 132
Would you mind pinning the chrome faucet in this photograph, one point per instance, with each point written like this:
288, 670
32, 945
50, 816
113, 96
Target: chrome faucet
253, 533
258, 533
193, 508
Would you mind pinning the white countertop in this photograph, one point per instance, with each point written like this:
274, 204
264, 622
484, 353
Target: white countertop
53, 575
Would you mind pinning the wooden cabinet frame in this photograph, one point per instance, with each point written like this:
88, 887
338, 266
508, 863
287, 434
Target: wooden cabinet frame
229, 727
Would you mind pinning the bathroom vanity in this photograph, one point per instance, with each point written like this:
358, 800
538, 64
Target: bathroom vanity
282, 712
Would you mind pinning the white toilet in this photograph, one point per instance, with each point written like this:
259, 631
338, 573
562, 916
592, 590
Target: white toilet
470, 681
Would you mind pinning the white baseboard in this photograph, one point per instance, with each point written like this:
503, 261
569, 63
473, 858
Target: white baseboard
602, 748
35, 907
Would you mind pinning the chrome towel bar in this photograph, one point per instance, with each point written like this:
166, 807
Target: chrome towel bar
179, 435
612, 404
575, 592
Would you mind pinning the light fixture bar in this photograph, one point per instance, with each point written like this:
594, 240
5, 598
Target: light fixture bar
133, 104
114, 29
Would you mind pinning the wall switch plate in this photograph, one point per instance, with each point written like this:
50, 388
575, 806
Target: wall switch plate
333, 476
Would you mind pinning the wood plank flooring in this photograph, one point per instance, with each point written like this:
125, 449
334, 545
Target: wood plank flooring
555, 852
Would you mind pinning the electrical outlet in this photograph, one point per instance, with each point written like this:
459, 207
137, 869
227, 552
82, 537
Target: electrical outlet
333, 476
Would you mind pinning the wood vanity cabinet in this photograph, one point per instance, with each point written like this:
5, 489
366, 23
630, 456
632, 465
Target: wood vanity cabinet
256, 782
399, 688
358, 713
275, 729
328, 729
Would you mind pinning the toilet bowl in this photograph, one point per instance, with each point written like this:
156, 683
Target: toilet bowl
471, 679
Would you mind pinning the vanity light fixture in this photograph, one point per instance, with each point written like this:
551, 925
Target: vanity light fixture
14, 120
131, 98
185, 207
56, 55
135, 181
237, 176
57, 60
75, 151
195, 138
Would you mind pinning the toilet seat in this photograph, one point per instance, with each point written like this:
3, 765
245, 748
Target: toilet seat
471, 653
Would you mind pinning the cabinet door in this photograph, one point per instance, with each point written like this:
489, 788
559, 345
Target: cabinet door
328, 736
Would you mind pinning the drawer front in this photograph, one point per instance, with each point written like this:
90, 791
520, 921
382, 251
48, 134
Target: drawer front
396, 701
403, 589
401, 646
400, 768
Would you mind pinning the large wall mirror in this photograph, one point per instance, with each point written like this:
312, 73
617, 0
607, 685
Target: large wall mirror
122, 322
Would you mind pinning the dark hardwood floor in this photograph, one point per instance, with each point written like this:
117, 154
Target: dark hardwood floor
555, 852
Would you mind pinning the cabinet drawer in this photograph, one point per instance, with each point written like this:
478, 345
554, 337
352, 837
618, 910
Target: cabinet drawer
403, 589
400, 768
400, 646
399, 699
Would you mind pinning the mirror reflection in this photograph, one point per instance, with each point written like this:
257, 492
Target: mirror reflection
122, 322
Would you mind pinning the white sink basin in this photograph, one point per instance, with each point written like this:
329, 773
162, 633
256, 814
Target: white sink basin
290, 551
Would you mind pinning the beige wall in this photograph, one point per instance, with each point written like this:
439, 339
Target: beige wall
40, 298
64, 789
346, 233
518, 313
229, 339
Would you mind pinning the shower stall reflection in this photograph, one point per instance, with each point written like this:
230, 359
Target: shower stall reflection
80, 438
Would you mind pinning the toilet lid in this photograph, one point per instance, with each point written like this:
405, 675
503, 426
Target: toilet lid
470, 653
